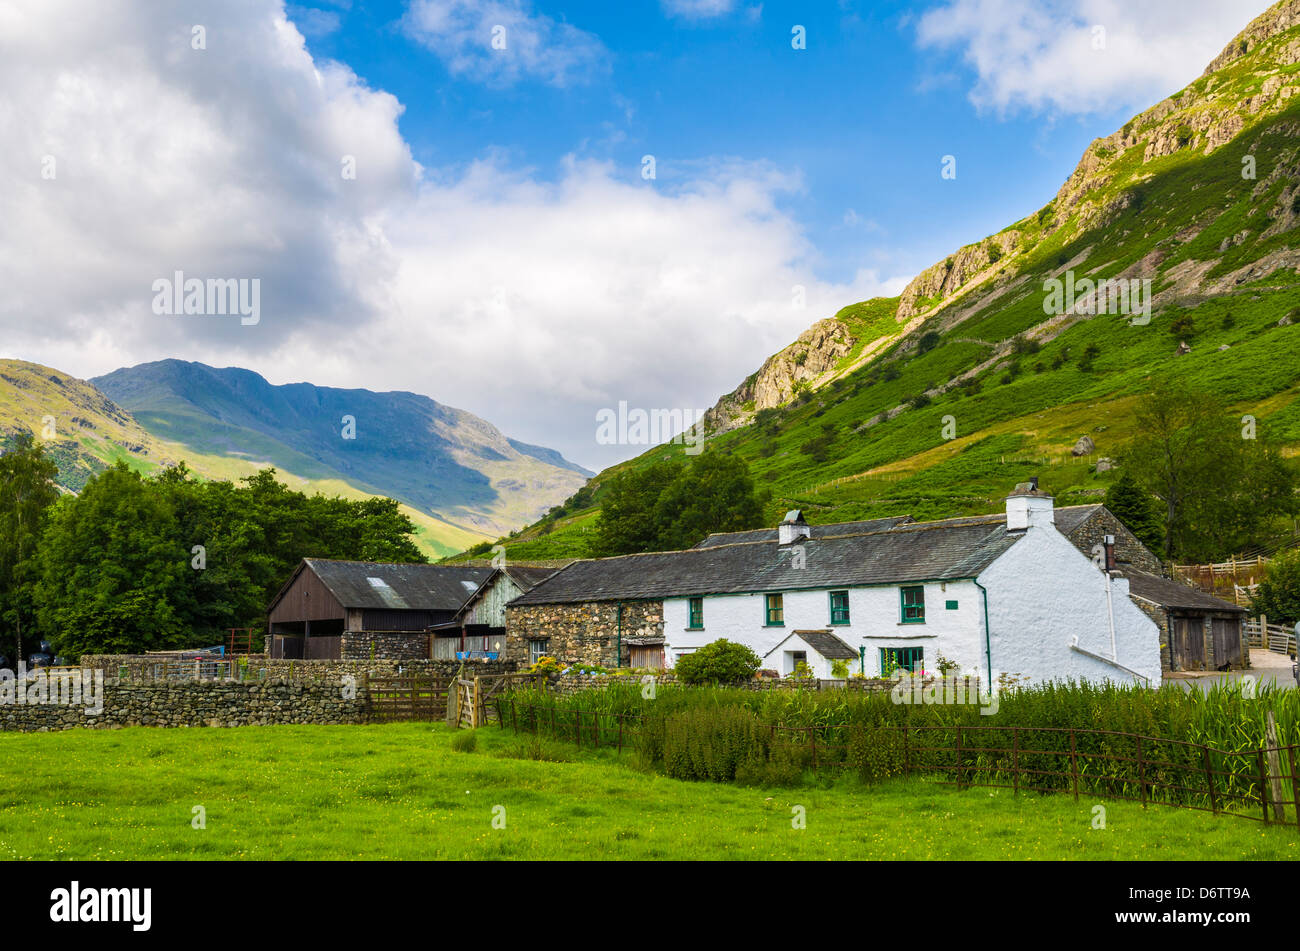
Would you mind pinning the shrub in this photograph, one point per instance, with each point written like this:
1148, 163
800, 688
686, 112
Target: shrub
466, 742
721, 662
1278, 595
712, 743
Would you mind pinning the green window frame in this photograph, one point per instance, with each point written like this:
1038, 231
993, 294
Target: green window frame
839, 607
910, 659
774, 610
695, 608
912, 601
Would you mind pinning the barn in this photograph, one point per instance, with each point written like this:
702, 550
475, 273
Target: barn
1197, 630
358, 610
480, 624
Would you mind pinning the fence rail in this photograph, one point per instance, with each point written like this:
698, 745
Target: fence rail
1259, 633
1250, 784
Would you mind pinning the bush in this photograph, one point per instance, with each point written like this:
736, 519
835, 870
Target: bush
466, 742
721, 662
713, 743
1278, 595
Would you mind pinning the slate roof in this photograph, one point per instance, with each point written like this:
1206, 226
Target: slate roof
399, 587
1068, 518
823, 642
817, 531
528, 577
1175, 594
914, 551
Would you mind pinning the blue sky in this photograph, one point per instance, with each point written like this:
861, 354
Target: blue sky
863, 115
498, 248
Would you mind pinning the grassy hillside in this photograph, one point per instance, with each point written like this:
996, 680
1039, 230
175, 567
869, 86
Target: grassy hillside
91, 433
1199, 194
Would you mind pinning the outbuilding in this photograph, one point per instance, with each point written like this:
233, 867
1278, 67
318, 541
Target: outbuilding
1197, 630
358, 610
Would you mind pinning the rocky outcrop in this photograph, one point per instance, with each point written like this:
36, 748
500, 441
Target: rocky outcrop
805, 362
943, 280
1276, 19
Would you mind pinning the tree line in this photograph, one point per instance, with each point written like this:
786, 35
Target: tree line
137, 563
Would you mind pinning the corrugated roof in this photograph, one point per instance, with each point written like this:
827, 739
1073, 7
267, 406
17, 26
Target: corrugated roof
402, 587
1175, 594
919, 551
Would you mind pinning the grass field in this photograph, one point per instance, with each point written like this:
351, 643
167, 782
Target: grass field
402, 791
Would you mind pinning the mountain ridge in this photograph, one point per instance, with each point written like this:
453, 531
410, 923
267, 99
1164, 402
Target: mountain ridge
1199, 193
459, 478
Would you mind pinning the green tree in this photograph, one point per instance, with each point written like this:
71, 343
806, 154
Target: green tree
627, 513
1221, 488
1138, 510
670, 504
714, 494
1278, 594
113, 569
27, 490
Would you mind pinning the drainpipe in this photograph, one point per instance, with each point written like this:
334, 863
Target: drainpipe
988, 641
1110, 605
862, 659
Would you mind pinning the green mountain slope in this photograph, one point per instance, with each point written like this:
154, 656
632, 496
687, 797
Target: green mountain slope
459, 479
935, 402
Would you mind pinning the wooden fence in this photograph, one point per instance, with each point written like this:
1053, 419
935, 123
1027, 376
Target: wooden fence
1250, 784
1223, 576
1259, 633
406, 697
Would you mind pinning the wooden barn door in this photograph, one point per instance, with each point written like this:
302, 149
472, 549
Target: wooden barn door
1189, 642
651, 657
1227, 641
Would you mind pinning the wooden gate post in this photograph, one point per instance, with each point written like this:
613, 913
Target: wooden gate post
1274, 767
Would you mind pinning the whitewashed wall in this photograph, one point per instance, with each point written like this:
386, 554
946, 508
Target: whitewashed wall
875, 616
1043, 593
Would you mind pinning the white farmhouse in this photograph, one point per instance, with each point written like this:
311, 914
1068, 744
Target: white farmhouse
996, 595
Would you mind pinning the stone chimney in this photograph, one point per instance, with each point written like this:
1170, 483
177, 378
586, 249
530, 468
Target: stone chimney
793, 529
1027, 507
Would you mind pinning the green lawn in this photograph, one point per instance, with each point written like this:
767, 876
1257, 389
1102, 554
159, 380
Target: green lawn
401, 791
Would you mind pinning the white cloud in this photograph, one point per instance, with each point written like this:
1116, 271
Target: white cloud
531, 303
1040, 55
699, 9
502, 41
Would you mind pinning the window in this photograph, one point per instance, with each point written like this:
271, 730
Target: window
775, 610
696, 620
538, 648
913, 605
911, 659
839, 607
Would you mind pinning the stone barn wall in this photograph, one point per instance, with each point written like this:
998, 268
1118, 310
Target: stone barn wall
586, 632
